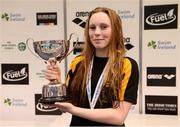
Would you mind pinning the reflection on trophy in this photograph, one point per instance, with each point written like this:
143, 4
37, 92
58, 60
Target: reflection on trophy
52, 51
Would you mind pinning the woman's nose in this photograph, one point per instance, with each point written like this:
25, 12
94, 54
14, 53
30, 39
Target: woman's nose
97, 31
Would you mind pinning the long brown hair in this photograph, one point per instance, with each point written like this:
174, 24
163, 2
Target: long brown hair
113, 74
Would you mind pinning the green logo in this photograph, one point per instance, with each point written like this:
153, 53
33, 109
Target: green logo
5, 16
152, 44
7, 102
22, 46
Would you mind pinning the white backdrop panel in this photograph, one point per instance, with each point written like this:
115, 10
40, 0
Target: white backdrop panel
21, 25
160, 57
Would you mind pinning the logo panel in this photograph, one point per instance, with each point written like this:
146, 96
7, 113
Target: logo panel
160, 17
12, 17
161, 45
161, 76
15, 102
49, 18
15, 74
41, 109
166, 105
79, 47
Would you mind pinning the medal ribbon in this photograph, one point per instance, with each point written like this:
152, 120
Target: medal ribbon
93, 101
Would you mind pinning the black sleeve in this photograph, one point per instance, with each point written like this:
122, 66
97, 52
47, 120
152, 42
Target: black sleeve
131, 81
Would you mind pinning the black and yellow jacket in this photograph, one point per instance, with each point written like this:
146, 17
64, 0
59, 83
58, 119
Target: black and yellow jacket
128, 90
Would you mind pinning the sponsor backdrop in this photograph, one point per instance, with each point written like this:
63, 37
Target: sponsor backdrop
22, 74
160, 57
154, 38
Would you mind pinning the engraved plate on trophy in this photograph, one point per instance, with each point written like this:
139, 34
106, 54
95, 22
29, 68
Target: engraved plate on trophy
52, 51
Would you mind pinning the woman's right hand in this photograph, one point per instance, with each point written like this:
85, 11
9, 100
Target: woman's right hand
53, 72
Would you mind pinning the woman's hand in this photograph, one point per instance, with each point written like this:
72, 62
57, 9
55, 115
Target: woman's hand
64, 106
53, 72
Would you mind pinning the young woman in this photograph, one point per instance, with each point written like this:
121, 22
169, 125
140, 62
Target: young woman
102, 82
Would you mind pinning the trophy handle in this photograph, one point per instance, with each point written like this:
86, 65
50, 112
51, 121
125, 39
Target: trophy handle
27, 43
75, 43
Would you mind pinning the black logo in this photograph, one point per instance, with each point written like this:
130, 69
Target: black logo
15, 74
79, 22
160, 16
166, 105
128, 44
49, 18
41, 109
161, 76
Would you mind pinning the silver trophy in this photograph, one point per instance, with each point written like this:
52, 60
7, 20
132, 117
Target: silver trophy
52, 51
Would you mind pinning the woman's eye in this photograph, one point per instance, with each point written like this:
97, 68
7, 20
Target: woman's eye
92, 27
103, 27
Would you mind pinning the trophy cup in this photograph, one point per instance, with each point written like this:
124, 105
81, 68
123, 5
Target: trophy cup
52, 51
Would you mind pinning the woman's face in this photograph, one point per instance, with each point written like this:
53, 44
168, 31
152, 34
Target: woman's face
100, 31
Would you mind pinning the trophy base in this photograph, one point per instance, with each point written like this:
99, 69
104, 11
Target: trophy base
52, 100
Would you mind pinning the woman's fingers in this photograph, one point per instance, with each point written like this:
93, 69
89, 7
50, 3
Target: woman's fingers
53, 72
64, 106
